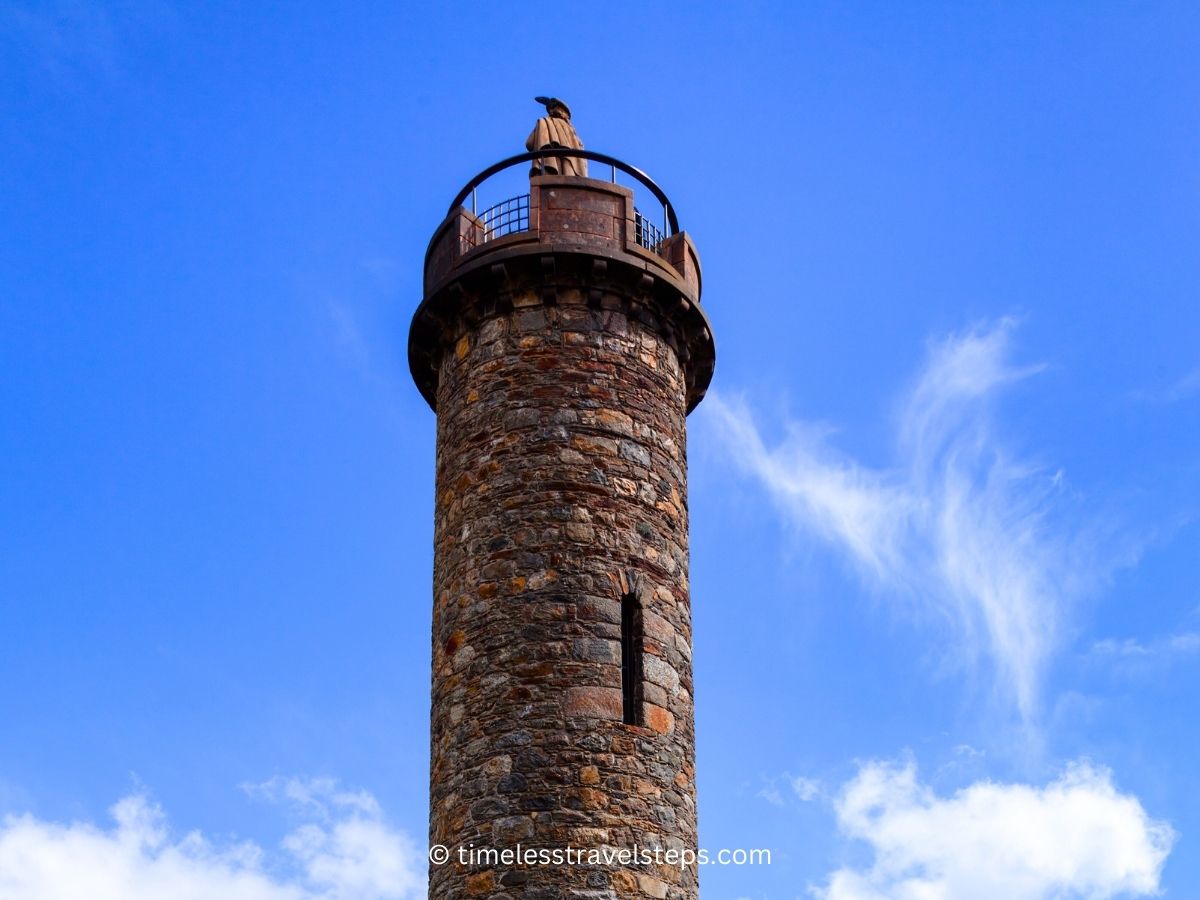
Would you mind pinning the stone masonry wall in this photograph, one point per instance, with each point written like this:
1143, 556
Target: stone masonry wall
561, 487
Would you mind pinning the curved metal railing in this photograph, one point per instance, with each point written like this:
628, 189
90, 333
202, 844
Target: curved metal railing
670, 222
511, 216
506, 217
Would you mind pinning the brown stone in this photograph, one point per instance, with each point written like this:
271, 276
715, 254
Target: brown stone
592, 798
652, 887
594, 445
658, 719
624, 883
622, 744
615, 421
579, 532
481, 883
594, 702
512, 830
454, 642
648, 788
498, 765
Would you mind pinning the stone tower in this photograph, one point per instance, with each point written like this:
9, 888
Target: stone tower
561, 343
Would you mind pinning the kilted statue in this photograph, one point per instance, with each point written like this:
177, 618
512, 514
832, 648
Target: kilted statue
555, 130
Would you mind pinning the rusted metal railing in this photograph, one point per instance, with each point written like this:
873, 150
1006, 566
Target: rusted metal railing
512, 215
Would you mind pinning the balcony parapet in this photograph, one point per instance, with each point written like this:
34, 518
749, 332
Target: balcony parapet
567, 234
592, 213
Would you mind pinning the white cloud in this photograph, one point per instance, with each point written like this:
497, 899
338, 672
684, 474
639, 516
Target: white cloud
344, 850
771, 794
320, 797
805, 789
1181, 389
958, 528
1131, 657
801, 787
1182, 644
1077, 837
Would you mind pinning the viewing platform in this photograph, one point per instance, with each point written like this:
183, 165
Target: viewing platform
567, 231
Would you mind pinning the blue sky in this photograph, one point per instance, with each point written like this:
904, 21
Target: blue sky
943, 493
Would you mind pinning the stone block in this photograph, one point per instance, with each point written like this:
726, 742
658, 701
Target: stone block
594, 702
661, 673
510, 830
657, 718
652, 887
481, 883
635, 453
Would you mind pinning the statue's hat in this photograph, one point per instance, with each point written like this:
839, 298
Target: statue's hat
551, 102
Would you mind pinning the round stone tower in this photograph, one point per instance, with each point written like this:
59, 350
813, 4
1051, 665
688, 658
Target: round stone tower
561, 343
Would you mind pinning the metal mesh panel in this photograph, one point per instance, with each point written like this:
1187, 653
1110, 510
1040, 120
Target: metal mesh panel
645, 233
506, 217
512, 216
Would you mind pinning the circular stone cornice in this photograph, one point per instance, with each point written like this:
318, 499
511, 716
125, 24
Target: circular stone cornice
562, 276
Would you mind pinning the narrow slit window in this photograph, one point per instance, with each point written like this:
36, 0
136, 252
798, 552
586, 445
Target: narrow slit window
631, 659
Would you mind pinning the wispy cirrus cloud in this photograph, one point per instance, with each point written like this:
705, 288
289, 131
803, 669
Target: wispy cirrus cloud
75, 41
1076, 837
1182, 388
65, 37
959, 528
1133, 657
343, 848
777, 791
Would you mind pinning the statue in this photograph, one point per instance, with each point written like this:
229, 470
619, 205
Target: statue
555, 130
